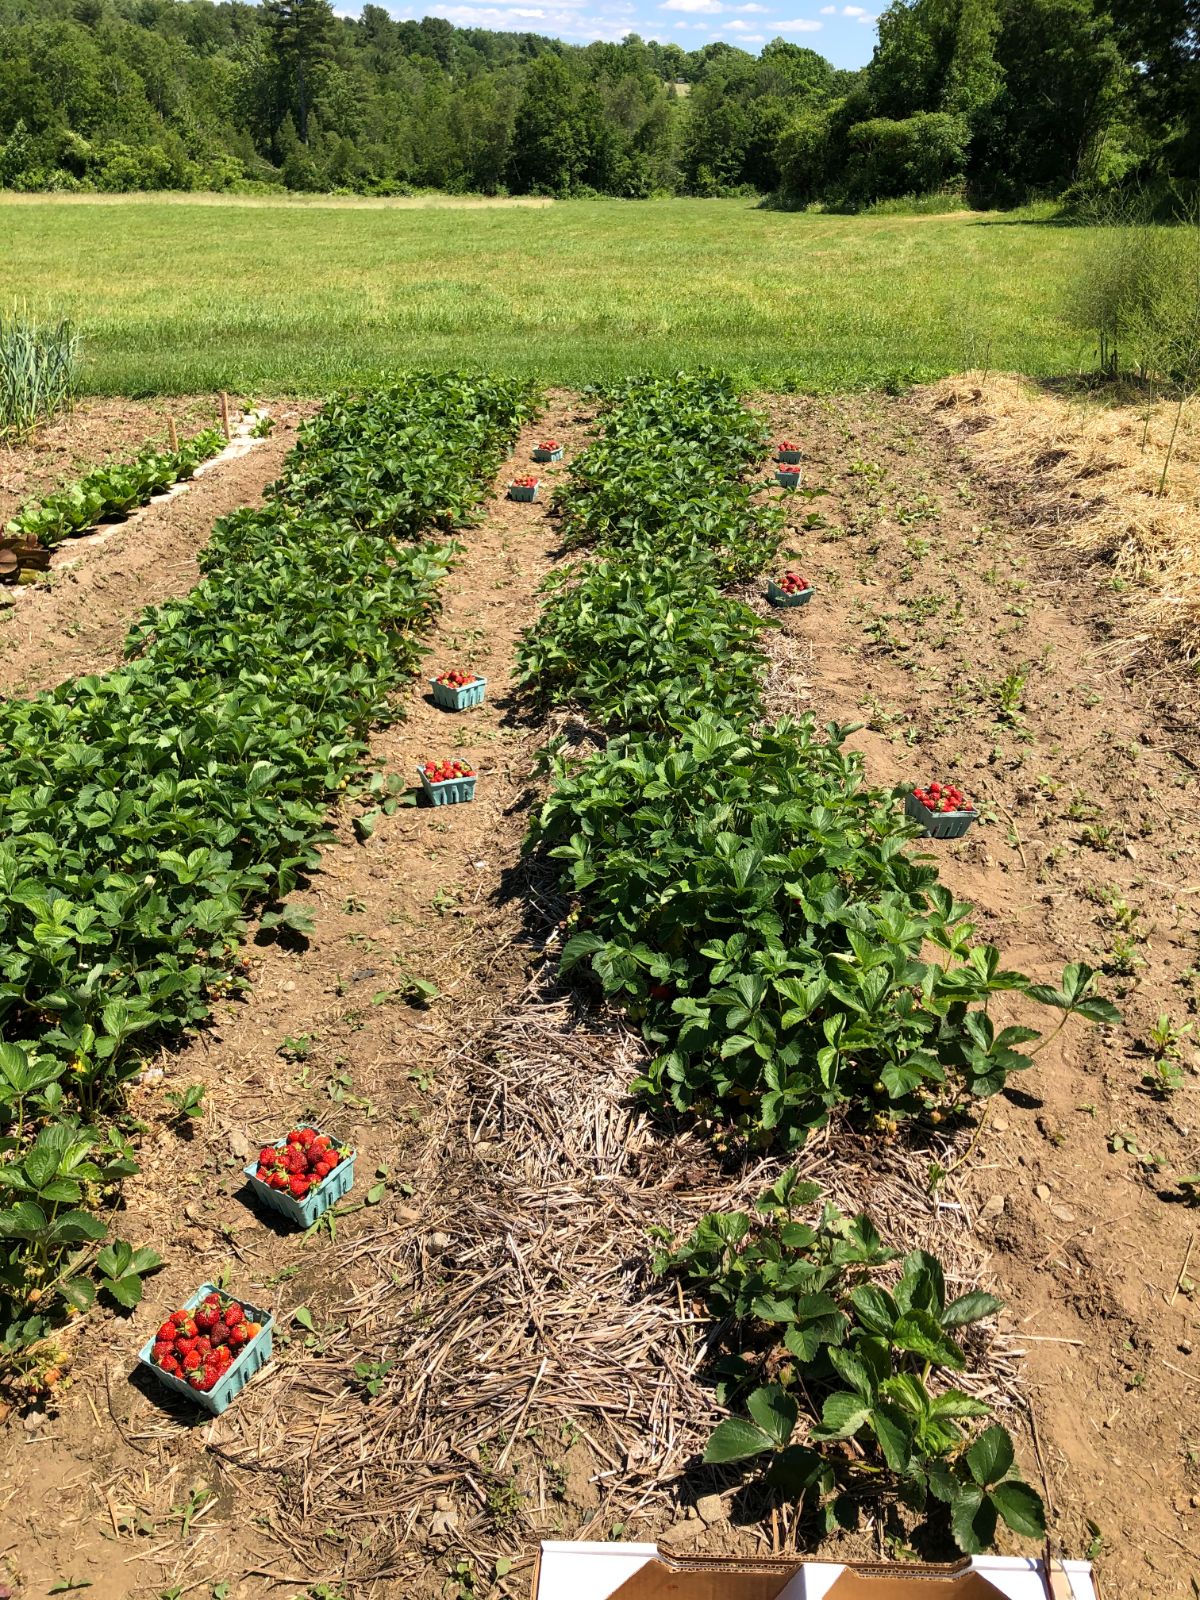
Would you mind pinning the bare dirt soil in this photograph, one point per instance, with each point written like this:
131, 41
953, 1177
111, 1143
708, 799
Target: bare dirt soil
529, 1380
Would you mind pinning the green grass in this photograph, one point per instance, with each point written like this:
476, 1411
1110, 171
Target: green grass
178, 297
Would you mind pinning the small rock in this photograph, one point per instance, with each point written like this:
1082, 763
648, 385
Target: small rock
1063, 1213
674, 1538
289, 987
1001, 1124
363, 974
710, 1508
443, 1503
407, 1214
239, 1145
33, 1422
1042, 1190
993, 1206
439, 1241
1185, 1347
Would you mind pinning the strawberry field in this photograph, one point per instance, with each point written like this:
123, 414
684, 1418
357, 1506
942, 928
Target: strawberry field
647, 1111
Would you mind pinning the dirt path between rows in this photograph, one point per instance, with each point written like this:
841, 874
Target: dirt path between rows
929, 610
77, 622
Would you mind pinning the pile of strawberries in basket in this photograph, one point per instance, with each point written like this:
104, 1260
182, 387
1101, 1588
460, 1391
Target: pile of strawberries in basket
454, 679
525, 483
300, 1164
444, 771
943, 797
200, 1346
793, 583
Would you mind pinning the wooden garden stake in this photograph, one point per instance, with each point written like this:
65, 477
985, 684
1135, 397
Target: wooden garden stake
172, 435
225, 413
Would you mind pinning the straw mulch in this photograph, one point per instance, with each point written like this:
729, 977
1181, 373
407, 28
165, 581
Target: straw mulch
1085, 475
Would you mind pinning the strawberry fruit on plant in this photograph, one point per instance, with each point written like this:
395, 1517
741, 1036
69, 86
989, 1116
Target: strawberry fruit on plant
198, 1347
301, 1164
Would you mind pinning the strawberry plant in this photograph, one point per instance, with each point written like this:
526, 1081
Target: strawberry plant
845, 1366
152, 810
749, 897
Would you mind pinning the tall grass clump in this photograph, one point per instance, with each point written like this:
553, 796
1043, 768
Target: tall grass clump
1137, 291
39, 370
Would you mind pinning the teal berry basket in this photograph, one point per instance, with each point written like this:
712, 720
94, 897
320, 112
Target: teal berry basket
789, 477
539, 454
458, 699
523, 491
449, 792
780, 597
938, 824
305, 1212
788, 455
252, 1358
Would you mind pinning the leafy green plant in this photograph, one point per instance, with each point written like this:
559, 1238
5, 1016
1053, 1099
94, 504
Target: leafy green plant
121, 1269
188, 1104
113, 490
150, 811
856, 1352
39, 370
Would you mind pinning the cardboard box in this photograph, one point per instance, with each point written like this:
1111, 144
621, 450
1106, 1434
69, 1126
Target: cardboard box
583, 1571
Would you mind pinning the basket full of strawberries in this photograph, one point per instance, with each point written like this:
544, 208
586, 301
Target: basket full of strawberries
788, 474
524, 488
210, 1348
793, 589
548, 450
301, 1176
455, 691
942, 810
787, 451
447, 783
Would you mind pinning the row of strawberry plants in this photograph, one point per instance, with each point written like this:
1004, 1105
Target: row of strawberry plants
112, 490
152, 809
745, 894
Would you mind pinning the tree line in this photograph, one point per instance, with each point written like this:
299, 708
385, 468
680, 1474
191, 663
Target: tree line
997, 100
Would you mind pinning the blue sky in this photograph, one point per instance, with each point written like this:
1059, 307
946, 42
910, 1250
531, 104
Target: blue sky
843, 33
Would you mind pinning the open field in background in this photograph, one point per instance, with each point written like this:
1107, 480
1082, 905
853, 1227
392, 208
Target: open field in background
175, 296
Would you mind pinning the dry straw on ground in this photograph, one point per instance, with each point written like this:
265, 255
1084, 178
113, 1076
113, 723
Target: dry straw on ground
1086, 475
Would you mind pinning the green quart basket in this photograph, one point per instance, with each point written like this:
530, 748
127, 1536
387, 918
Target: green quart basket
547, 455
253, 1357
939, 824
450, 792
789, 477
780, 597
523, 491
305, 1212
791, 456
451, 698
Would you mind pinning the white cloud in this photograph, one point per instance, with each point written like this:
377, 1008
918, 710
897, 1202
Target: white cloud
761, 10
799, 25
829, 11
709, 7
853, 11
737, 27
867, 22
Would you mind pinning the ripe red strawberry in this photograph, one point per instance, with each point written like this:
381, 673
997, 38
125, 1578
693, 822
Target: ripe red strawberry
266, 1156
184, 1347
299, 1187
162, 1347
307, 1136
233, 1314
205, 1317
167, 1331
239, 1334
193, 1361
223, 1358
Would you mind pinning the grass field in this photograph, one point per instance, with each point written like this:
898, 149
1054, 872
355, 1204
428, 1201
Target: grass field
175, 296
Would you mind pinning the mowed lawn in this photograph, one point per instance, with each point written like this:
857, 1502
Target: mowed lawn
178, 296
